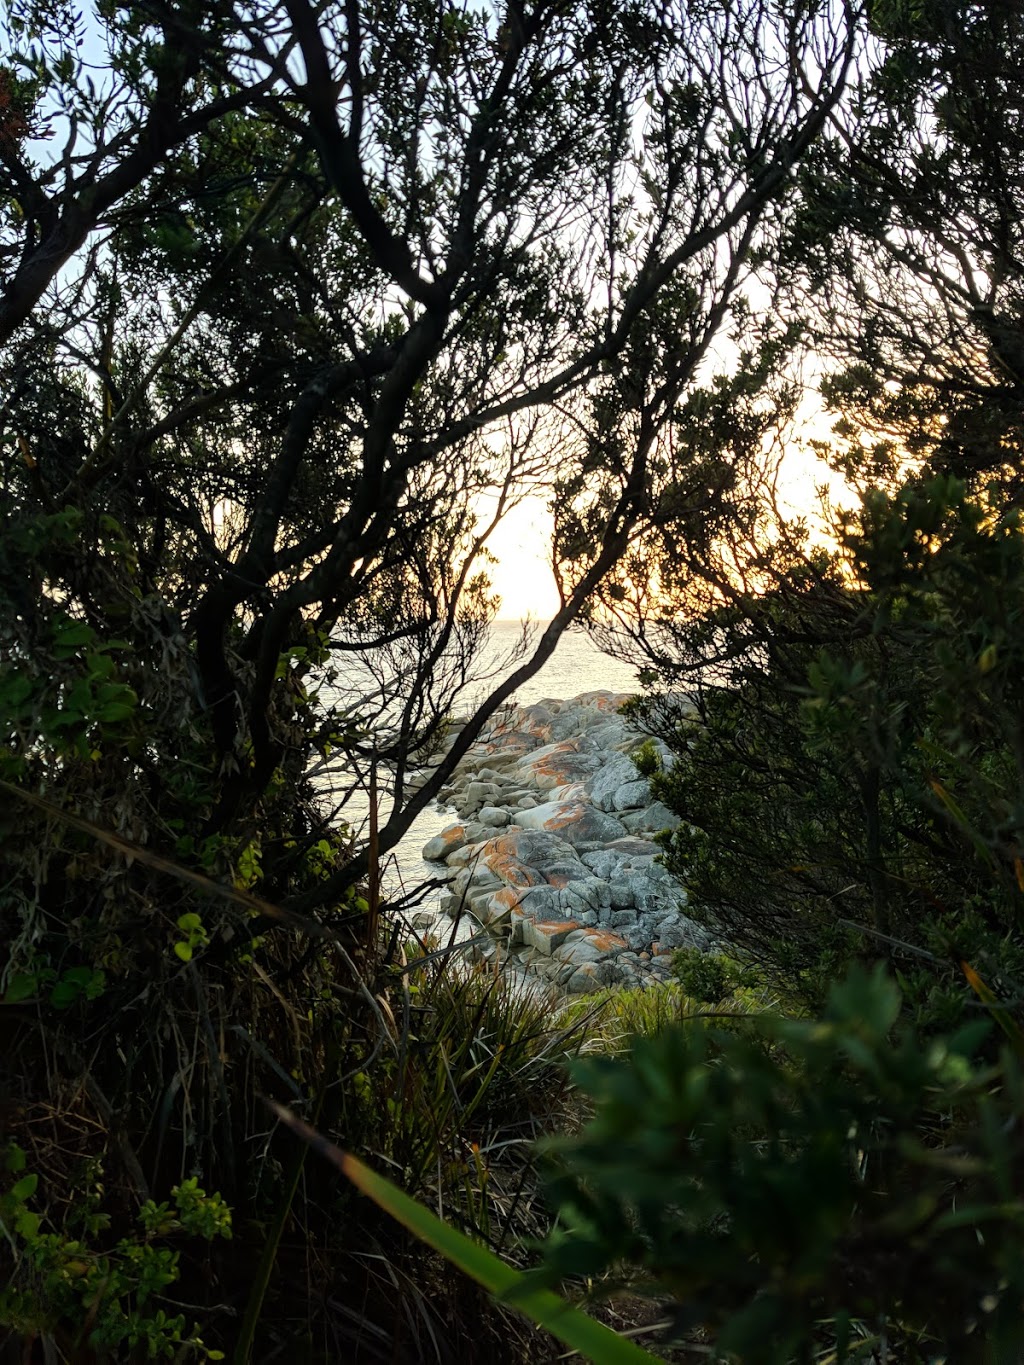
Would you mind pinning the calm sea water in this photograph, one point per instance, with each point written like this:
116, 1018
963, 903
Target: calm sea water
576, 666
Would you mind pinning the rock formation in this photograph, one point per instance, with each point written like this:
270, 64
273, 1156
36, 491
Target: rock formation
553, 851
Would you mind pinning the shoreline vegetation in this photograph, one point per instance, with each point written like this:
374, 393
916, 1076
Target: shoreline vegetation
302, 305
480, 1076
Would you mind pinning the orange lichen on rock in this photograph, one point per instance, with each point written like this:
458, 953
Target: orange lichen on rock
604, 701
501, 855
546, 934
556, 765
535, 721
567, 814
605, 941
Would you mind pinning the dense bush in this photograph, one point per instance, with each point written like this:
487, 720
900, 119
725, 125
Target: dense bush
287, 293
851, 785
792, 1187
297, 302
153, 1001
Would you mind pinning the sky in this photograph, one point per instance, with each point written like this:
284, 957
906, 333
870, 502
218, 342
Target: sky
522, 576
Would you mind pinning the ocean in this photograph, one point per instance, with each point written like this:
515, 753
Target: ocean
576, 666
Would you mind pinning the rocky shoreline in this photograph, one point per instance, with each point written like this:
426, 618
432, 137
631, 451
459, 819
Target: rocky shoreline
553, 852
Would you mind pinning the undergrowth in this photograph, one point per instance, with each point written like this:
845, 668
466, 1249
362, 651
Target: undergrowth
154, 996
612, 1019
122, 1104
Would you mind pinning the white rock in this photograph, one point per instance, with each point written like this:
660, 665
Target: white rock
591, 977
610, 778
475, 878
622, 894
653, 819
462, 857
683, 933
575, 821
450, 841
547, 935
493, 816
589, 945
610, 734
631, 795
586, 894
602, 862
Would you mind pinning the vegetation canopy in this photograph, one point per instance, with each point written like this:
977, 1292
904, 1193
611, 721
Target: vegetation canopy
297, 302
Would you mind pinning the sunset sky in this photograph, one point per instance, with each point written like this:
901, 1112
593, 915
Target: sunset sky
522, 542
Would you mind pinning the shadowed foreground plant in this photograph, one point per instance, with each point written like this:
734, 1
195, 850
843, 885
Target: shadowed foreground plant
590, 1339
775, 1175
59, 1277
442, 1072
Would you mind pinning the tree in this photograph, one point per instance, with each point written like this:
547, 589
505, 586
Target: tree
901, 263
905, 251
848, 777
476, 266
286, 290
848, 757
847, 769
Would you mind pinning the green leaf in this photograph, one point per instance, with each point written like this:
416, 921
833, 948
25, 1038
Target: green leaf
21, 986
101, 666
25, 1188
96, 985
26, 1224
872, 1001
73, 635
15, 691
64, 994
114, 711
15, 1159
183, 950
579, 1332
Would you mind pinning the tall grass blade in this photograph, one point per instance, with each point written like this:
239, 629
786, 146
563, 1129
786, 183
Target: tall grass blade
985, 994
265, 1268
591, 1339
954, 809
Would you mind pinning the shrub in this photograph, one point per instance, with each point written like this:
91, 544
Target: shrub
706, 977
74, 1289
850, 789
799, 1186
